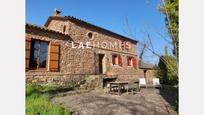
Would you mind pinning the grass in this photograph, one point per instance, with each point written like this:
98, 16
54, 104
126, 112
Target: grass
38, 102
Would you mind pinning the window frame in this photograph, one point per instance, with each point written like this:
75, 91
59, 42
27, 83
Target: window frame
117, 59
115, 56
129, 61
64, 29
39, 54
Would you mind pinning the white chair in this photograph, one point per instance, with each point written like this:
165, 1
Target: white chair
156, 82
107, 89
142, 82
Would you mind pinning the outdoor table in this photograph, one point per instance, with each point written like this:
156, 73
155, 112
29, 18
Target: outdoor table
119, 84
133, 86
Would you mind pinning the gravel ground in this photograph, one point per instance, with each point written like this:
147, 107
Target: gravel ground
146, 102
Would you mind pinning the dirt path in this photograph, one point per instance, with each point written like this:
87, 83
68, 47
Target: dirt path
146, 102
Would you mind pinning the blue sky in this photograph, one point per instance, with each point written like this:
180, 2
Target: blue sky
142, 15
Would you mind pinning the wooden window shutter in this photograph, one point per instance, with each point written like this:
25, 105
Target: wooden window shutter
113, 60
119, 60
134, 62
28, 45
54, 56
128, 62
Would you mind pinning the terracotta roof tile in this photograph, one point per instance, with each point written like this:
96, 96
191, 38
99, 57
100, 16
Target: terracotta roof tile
44, 28
146, 66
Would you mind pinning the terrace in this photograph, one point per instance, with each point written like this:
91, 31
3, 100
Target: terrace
148, 101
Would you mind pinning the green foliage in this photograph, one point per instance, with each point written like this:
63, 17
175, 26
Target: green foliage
168, 70
38, 103
175, 107
168, 65
171, 10
71, 84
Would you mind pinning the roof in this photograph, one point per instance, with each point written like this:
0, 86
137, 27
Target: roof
146, 66
34, 26
73, 19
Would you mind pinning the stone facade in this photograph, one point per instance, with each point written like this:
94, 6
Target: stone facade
70, 62
78, 33
74, 63
150, 74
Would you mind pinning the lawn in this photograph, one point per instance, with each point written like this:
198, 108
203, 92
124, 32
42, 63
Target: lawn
38, 102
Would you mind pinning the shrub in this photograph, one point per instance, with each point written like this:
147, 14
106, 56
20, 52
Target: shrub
38, 103
168, 72
71, 84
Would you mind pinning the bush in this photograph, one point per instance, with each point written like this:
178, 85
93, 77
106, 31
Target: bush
168, 72
38, 103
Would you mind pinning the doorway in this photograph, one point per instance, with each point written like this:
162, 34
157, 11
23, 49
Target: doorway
101, 63
145, 74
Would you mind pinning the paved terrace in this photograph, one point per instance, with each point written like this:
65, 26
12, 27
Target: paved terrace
148, 101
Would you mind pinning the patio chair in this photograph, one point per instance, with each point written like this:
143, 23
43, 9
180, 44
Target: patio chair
142, 82
156, 83
107, 89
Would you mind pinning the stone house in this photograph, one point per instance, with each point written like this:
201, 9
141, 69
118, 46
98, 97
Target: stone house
67, 48
146, 70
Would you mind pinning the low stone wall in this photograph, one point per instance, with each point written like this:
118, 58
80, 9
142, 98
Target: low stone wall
63, 79
128, 77
92, 82
59, 79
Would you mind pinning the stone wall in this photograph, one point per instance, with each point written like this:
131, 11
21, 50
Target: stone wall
59, 79
72, 61
79, 33
150, 74
77, 63
58, 25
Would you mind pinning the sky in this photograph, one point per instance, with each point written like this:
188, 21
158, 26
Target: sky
131, 18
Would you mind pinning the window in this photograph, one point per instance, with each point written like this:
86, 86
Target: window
90, 35
38, 54
64, 29
129, 61
134, 62
116, 59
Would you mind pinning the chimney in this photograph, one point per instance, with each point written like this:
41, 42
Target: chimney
57, 12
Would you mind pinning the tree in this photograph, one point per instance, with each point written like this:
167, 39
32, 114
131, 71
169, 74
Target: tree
170, 9
168, 69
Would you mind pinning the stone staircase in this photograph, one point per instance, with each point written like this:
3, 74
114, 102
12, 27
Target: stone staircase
92, 82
